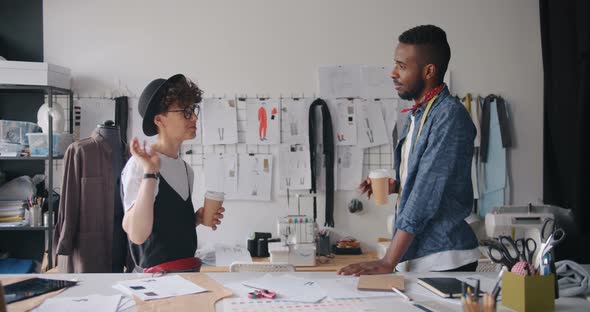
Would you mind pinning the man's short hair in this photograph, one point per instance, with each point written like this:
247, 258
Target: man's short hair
432, 45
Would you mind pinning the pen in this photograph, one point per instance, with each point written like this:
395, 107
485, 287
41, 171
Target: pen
401, 293
421, 307
497, 287
477, 291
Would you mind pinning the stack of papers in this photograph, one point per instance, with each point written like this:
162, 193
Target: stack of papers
12, 213
289, 288
90, 303
158, 287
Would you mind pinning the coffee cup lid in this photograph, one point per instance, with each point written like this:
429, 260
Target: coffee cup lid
215, 195
379, 173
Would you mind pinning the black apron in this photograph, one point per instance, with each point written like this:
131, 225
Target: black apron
173, 234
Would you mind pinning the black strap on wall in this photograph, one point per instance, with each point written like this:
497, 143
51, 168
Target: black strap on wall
504, 124
328, 144
122, 115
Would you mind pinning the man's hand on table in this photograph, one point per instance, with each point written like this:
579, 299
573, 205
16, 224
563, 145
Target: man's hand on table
367, 268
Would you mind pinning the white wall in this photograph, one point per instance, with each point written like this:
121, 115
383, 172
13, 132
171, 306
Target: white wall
274, 47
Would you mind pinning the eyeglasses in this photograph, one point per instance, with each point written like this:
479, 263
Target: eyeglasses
188, 111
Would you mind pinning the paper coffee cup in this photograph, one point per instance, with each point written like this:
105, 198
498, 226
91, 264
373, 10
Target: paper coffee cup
213, 201
380, 185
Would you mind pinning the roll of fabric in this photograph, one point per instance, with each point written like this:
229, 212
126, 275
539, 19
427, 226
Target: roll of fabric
572, 279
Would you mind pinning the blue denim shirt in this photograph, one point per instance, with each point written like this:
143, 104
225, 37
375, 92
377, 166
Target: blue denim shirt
438, 195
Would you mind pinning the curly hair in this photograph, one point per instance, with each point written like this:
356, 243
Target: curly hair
432, 45
182, 92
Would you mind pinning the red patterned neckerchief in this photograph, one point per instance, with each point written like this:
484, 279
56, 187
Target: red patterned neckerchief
427, 97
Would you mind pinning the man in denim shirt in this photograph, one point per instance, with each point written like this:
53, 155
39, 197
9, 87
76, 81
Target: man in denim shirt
433, 165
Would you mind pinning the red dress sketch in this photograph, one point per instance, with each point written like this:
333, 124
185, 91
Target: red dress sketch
262, 123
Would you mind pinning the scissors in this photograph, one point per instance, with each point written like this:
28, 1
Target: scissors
526, 248
550, 237
262, 293
550, 228
553, 240
505, 252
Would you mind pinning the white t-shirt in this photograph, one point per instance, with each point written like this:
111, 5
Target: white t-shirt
172, 169
439, 261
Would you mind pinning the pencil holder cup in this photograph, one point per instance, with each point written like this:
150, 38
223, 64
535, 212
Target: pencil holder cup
480, 307
525, 293
324, 246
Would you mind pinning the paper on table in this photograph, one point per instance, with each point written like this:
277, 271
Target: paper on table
225, 254
96, 303
289, 288
274, 305
349, 165
376, 82
340, 81
220, 124
344, 121
264, 122
158, 287
294, 167
295, 120
254, 177
203, 302
346, 288
221, 173
371, 129
126, 304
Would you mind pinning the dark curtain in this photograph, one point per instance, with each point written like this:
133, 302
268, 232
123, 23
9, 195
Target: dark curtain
565, 37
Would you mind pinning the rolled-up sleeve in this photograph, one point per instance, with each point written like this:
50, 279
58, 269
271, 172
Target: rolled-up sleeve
449, 144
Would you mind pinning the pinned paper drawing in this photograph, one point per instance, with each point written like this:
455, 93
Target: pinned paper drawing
294, 167
371, 130
263, 122
295, 120
344, 121
220, 125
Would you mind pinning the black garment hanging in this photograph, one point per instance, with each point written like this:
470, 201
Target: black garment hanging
485, 125
122, 115
328, 143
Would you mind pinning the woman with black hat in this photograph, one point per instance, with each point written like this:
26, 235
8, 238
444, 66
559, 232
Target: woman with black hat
157, 183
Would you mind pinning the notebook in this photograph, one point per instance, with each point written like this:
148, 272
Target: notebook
447, 287
381, 282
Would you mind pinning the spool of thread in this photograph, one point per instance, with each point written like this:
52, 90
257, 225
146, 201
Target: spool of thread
253, 247
46, 219
263, 248
355, 205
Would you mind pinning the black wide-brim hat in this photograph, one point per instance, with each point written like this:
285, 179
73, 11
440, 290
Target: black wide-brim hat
149, 102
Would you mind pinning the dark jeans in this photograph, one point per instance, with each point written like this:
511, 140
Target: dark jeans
470, 267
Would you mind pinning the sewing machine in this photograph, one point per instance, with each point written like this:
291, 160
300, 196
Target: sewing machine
297, 246
298, 238
517, 222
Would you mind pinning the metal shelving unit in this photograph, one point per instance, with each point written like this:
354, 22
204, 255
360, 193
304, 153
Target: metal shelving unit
24, 228
50, 92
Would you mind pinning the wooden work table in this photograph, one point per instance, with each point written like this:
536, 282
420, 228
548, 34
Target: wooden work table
330, 265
